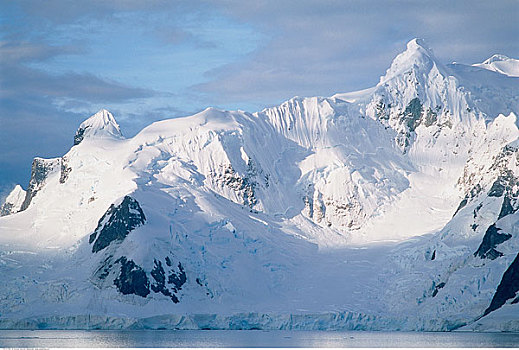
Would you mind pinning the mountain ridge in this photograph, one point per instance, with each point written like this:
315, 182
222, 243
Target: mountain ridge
318, 205
501, 64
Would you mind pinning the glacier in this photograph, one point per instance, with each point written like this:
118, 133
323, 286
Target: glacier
390, 208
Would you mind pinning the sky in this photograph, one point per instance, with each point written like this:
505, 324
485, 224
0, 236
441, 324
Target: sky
62, 60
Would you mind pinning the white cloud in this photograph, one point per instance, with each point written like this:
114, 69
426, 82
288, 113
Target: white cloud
321, 47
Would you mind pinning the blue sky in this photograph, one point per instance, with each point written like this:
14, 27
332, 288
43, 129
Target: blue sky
62, 60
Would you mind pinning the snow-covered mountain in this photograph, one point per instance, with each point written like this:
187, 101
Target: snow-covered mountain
389, 208
501, 64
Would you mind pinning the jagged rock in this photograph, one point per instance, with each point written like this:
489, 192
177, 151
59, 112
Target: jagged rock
160, 282
80, 134
491, 240
506, 208
437, 288
309, 206
503, 184
476, 211
244, 186
508, 287
13, 202
104, 270
497, 189
40, 170
412, 114
117, 223
308, 200
7, 209
319, 207
381, 111
132, 279
431, 117
158, 274
462, 204
177, 278
65, 170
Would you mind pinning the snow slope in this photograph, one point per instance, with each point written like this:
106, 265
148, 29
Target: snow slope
501, 64
13, 202
388, 208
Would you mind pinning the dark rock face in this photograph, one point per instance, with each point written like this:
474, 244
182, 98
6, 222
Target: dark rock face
177, 279
473, 193
174, 283
497, 188
40, 170
132, 279
117, 223
503, 184
80, 134
508, 287
491, 240
104, 270
159, 275
6, 209
412, 114
437, 288
506, 208
462, 204
159, 286
65, 170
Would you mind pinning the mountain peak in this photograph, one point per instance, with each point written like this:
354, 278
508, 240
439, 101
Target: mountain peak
13, 202
103, 117
417, 56
418, 44
501, 64
496, 58
101, 124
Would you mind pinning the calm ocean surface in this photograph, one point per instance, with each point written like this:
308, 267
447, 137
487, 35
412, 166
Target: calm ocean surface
47, 338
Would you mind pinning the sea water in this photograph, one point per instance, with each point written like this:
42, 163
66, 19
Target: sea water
257, 338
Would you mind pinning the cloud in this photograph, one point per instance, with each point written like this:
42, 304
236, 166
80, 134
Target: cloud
14, 52
33, 124
322, 47
59, 12
24, 136
25, 89
60, 60
25, 83
35, 106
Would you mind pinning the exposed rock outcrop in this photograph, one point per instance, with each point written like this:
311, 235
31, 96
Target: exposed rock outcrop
13, 202
508, 287
117, 223
132, 279
40, 171
491, 240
